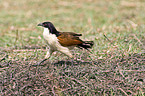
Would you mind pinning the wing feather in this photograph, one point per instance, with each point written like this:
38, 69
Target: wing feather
69, 39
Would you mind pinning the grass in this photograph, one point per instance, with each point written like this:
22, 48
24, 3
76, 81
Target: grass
116, 66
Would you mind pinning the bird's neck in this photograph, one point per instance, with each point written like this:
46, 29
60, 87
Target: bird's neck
51, 31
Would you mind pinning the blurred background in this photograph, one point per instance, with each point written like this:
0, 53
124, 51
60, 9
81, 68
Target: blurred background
93, 18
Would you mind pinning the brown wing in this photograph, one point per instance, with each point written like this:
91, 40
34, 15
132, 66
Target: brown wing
69, 39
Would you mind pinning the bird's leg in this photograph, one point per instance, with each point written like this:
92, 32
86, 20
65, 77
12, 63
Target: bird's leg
67, 52
49, 53
47, 56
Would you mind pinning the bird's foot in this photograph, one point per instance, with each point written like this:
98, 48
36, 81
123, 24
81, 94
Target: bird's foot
39, 63
47, 56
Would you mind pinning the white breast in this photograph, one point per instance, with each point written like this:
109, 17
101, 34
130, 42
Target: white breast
53, 43
51, 40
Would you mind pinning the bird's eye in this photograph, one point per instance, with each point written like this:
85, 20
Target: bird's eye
44, 24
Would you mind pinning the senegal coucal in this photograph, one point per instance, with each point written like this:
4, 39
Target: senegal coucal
62, 41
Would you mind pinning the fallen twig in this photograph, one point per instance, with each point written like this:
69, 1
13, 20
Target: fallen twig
108, 39
123, 91
24, 48
134, 70
121, 73
1, 69
28, 50
33, 47
4, 57
137, 39
77, 81
24, 87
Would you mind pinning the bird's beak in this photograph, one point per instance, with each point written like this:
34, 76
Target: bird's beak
40, 24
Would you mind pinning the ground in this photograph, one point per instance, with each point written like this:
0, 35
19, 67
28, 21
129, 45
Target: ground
115, 67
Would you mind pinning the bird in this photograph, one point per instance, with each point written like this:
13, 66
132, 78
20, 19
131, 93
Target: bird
62, 41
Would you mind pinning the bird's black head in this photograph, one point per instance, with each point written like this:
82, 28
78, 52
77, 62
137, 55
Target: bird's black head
50, 26
46, 24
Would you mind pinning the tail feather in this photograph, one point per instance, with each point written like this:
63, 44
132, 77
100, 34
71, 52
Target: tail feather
86, 44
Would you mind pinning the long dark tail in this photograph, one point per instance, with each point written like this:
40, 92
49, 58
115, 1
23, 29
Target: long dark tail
86, 44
